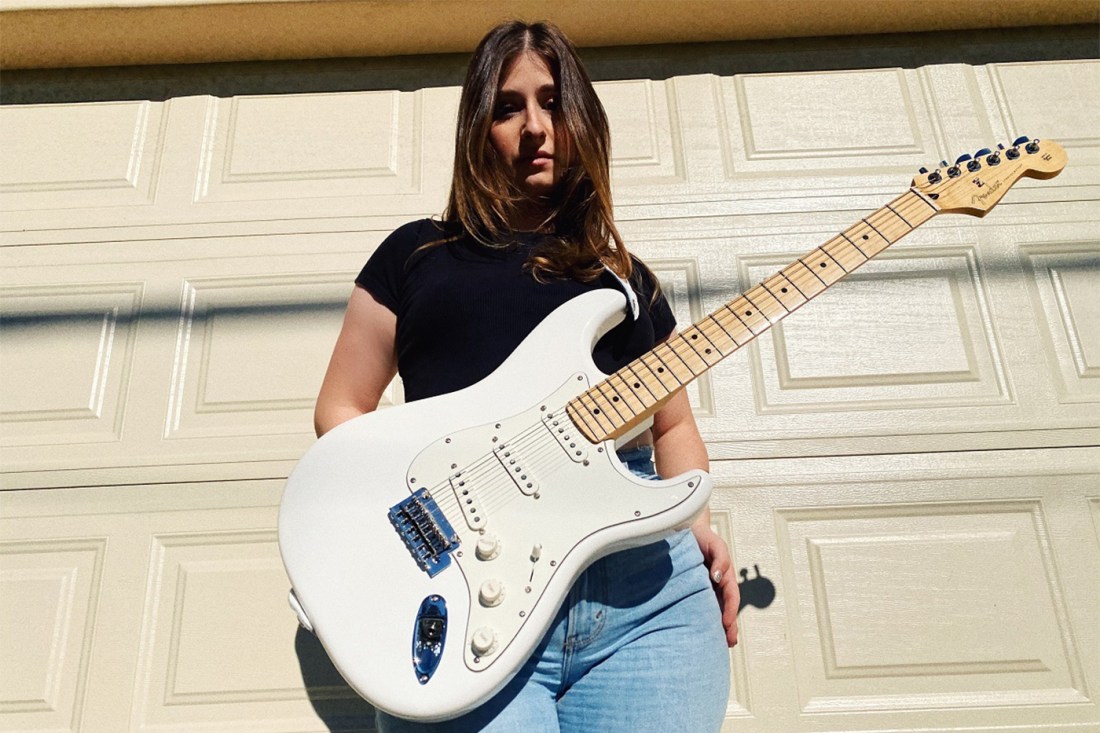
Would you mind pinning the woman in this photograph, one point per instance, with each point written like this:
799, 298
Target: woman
638, 644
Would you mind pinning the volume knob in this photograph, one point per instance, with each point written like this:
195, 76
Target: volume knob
484, 641
491, 593
488, 546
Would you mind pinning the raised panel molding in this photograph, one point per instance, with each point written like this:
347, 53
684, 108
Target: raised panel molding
105, 154
49, 591
681, 286
647, 146
791, 124
66, 361
842, 353
902, 607
237, 337
1028, 92
311, 145
208, 652
1064, 279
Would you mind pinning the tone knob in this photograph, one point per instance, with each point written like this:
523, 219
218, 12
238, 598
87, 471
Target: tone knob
488, 546
491, 593
484, 641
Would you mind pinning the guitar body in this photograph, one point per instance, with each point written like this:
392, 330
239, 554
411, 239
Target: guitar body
522, 501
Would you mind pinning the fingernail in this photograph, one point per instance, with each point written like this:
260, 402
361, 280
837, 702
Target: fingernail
717, 576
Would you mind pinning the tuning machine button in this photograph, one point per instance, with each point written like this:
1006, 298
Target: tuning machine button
934, 177
484, 641
954, 171
1032, 147
1020, 140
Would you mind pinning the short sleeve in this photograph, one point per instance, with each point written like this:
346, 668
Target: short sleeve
384, 274
660, 313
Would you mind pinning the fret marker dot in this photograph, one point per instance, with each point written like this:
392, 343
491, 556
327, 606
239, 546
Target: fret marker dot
615, 399
823, 264
694, 336
660, 370
637, 385
596, 411
782, 290
748, 313
866, 237
707, 351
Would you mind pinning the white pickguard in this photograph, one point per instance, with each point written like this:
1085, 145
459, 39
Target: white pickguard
569, 503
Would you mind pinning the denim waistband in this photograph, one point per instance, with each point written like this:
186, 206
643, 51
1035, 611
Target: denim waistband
639, 460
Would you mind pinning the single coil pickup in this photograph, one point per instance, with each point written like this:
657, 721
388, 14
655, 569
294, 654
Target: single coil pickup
517, 469
425, 531
468, 501
567, 435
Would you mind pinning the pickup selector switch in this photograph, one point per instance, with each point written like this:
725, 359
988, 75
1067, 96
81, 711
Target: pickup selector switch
488, 546
491, 593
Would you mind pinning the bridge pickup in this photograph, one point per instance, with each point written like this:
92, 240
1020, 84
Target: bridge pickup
567, 435
425, 531
468, 501
518, 469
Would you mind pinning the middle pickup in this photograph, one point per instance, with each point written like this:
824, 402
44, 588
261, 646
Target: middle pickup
518, 469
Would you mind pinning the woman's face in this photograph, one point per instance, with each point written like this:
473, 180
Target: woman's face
523, 125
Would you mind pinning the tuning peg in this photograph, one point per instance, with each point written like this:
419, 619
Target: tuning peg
1021, 139
922, 170
983, 151
962, 158
1000, 146
943, 164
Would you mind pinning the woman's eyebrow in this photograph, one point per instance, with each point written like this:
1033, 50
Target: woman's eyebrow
544, 89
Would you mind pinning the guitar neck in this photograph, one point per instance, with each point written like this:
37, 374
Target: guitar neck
617, 404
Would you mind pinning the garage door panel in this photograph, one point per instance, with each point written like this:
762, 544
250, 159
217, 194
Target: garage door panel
918, 583
67, 360
81, 155
1063, 279
50, 590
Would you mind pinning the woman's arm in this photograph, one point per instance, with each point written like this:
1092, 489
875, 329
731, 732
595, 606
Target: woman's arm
363, 362
678, 447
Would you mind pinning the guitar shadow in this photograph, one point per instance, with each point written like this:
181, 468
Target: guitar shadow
337, 705
342, 710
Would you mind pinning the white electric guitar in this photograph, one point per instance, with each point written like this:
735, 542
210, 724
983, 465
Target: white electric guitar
430, 545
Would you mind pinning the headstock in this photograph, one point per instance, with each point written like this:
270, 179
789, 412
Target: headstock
976, 183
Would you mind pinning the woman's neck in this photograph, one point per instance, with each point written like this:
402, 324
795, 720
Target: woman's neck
529, 216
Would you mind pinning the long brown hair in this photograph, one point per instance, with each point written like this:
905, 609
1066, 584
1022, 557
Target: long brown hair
484, 198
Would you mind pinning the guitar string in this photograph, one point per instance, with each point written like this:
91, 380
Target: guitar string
497, 493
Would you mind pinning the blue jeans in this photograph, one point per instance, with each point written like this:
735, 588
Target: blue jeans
637, 647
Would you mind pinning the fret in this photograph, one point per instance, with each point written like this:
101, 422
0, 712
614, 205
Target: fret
584, 421
703, 346
844, 252
615, 401
627, 387
588, 402
687, 355
672, 360
746, 311
734, 326
806, 281
625, 394
657, 367
869, 240
784, 291
653, 383
766, 303
716, 332
898, 215
639, 383
823, 266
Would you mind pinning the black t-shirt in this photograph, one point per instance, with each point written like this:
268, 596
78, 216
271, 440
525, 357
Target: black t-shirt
462, 307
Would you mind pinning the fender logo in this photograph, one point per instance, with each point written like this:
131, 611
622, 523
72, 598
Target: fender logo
992, 189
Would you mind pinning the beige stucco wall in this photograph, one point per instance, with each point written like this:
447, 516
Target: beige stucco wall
70, 33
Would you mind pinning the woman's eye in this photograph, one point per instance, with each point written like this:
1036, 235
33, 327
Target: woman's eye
550, 104
505, 110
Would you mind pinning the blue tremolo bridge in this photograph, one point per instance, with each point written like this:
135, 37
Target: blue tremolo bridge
425, 531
